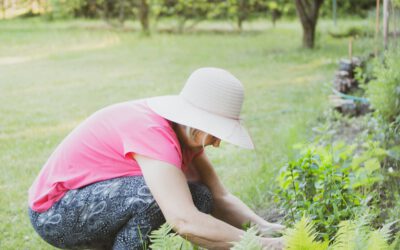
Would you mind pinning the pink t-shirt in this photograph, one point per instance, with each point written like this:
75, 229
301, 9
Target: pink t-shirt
102, 147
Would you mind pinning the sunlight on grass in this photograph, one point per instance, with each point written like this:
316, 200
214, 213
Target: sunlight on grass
13, 60
42, 131
303, 79
52, 50
94, 45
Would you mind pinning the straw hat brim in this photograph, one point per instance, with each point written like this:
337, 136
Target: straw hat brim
177, 109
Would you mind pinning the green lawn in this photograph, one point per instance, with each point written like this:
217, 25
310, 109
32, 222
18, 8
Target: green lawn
53, 75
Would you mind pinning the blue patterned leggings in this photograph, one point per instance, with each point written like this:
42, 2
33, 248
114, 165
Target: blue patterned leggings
118, 213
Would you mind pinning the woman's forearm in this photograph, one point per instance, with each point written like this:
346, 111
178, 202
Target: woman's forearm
232, 210
207, 231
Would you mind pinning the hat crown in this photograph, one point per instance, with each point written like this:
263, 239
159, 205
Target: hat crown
216, 91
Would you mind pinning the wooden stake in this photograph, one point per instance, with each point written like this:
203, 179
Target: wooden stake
385, 23
334, 7
377, 27
395, 31
351, 49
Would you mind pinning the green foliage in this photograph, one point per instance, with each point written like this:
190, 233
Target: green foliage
352, 31
64, 9
164, 239
184, 10
396, 243
394, 212
384, 91
352, 235
330, 184
249, 241
346, 8
303, 237
358, 235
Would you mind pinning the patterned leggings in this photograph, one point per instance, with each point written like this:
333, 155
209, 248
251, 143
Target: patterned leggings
113, 214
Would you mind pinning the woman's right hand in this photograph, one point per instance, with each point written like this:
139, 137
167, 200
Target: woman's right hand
273, 243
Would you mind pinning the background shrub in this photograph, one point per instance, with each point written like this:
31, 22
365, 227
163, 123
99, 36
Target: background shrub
330, 184
384, 91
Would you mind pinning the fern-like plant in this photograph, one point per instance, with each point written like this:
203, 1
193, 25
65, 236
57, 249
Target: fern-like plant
396, 243
164, 239
358, 235
352, 235
303, 237
249, 241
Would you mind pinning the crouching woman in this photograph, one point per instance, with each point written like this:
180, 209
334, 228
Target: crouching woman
132, 166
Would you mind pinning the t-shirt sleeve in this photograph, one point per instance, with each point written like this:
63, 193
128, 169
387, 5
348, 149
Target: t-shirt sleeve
156, 142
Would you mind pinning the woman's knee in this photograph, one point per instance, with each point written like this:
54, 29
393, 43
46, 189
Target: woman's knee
202, 197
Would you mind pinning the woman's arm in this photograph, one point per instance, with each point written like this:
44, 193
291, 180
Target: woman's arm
228, 207
169, 188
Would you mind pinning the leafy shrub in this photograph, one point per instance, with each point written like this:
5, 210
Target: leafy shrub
197, 10
330, 184
384, 91
353, 31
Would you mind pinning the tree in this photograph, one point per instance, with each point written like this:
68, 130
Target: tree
183, 10
144, 11
242, 10
308, 10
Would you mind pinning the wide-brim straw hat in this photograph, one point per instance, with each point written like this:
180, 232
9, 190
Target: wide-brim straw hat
210, 101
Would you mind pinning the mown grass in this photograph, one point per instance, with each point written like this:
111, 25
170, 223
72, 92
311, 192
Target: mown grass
53, 75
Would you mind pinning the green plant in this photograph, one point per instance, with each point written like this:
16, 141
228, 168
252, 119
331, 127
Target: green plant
303, 236
384, 91
249, 241
330, 184
353, 31
357, 234
164, 239
396, 243
352, 235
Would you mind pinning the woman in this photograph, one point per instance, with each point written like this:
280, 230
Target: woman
132, 166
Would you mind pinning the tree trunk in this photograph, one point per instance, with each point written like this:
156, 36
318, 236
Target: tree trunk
385, 24
144, 11
106, 11
308, 11
121, 14
275, 15
241, 13
308, 36
181, 24
240, 23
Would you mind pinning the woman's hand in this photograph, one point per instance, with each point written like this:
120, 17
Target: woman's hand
270, 229
273, 243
